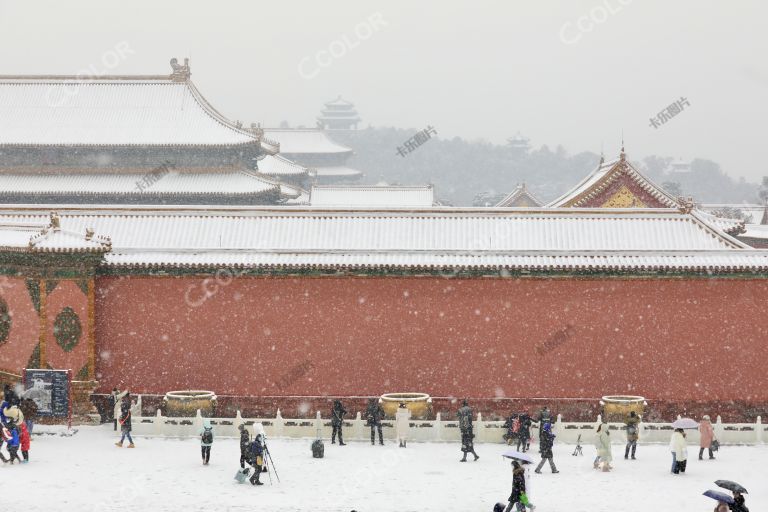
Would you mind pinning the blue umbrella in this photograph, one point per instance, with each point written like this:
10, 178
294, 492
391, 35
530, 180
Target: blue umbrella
513, 454
719, 496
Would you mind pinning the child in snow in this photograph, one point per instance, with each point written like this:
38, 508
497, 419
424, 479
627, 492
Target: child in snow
125, 424
402, 424
13, 441
24, 439
206, 440
547, 442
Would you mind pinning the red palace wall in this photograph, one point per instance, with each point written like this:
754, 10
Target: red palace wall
666, 339
23, 335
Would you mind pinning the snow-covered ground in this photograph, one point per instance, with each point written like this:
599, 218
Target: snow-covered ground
86, 472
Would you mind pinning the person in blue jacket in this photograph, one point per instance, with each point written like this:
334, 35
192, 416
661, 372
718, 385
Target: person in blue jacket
13, 441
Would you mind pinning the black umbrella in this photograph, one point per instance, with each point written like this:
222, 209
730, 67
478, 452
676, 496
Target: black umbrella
719, 496
731, 486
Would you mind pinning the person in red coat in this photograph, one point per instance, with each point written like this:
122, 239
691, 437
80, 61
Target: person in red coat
707, 436
25, 442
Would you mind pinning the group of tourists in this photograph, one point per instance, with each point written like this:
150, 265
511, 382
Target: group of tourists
16, 423
374, 415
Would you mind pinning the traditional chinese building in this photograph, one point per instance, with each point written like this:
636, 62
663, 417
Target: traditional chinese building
338, 114
130, 139
313, 149
520, 197
424, 294
373, 196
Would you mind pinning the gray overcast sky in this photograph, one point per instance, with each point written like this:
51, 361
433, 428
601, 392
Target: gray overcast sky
480, 69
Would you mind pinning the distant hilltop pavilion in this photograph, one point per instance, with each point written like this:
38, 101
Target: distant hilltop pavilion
338, 114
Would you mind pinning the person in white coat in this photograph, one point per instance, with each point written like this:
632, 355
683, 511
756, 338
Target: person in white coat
679, 449
603, 446
117, 397
402, 424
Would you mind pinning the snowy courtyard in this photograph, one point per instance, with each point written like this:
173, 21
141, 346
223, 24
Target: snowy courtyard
86, 472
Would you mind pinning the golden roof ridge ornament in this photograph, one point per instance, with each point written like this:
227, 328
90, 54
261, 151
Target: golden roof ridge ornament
686, 204
180, 73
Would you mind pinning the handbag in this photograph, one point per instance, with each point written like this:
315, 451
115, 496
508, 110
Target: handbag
715, 445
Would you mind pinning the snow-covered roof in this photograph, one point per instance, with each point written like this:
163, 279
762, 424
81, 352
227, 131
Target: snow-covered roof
372, 196
560, 239
602, 177
276, 165
520, 196
755, 231
170, 182
111, 111
339, 171
304, 141
41, 236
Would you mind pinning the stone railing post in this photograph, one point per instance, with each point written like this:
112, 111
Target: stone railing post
279, 424
318, 425
238, 421
357, 431
438, 428
481, 433
719, 429
197, 425
558, 430
759, 430
159, 424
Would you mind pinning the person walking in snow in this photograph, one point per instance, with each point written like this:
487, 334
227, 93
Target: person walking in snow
206, 440
467, 435
117, 408
245, 442
524, 434
738, 503
13, 438
337, 421
679, 449
373, 415
603, 445
545, 448
544, 418
256, 453
633, 434
518, 498
402, 424
125, 423
706, 438
24, 441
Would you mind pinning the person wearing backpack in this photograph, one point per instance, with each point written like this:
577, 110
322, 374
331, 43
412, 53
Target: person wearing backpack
465, 425
256, 453
373, 415
206, 440
632, 434
245, 443
125, 423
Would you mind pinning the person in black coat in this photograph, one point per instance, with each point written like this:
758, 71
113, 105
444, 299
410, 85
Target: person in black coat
518, 488
10, 396
337, 421
245, 441
373, 415
738, 503
547, 442
524, 434
467, 435
125, 423
544, 418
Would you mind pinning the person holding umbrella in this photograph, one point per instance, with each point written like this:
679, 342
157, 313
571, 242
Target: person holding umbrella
520, 481
707, 436
738, 495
